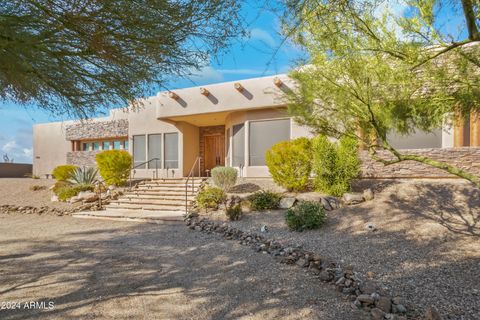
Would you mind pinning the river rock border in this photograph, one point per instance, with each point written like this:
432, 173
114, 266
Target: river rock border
364, 293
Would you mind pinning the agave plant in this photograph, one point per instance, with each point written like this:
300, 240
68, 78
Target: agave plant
83, 176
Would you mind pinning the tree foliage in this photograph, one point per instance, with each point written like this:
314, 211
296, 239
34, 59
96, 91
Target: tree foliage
373, 72
78, 56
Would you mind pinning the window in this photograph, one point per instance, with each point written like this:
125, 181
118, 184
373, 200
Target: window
117, 145
139, 152
238, 147
85, 146
227, 147
96, 146
171, 150
125, 144
263, 135
106, 145
154, 150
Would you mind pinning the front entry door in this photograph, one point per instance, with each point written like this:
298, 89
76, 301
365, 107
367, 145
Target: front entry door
214, 151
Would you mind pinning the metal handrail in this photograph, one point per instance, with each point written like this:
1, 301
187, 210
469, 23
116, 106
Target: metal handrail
142, 164
190, 175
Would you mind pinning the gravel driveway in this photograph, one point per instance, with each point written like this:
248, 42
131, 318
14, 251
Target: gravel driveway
94, 269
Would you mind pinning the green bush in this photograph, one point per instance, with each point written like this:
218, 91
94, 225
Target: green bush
66, 192
210, 197
37, 187
224, 177
59, 185
305, 216
290, 163
63, 173
234, 213
264, 200
114, 166
335, 164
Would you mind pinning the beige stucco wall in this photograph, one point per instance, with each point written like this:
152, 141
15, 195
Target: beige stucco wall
190, 146
50, 147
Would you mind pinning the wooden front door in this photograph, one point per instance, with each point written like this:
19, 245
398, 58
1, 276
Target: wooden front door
214, 151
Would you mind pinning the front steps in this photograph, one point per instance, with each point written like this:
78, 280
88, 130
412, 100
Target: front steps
166, 196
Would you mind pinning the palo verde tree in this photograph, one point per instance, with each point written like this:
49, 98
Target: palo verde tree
373, 72
76, 57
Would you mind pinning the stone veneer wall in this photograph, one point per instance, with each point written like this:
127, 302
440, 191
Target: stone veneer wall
95, 130
205, 131
82, 158
467, 158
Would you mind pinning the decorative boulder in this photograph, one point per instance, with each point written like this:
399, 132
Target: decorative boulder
87, 196
368, 194
75, 199
309, 196
326, 204
287, 203
352, 198
54, 198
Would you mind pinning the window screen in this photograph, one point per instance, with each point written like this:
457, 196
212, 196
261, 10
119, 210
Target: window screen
171, 150
238, 145
139, 151
154, 150
263, 135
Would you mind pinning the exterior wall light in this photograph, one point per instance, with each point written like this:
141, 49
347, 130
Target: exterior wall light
239, 87
173, 95
204, 91
277, 81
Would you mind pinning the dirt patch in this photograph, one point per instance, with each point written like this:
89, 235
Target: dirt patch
426, 247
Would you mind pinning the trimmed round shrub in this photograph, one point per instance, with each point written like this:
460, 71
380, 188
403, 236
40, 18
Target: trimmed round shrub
64, 172
224, 177
335, 164
114, 166
210, 197
264, 200
306, 215
290, 163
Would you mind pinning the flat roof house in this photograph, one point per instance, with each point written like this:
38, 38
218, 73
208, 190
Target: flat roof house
231, 124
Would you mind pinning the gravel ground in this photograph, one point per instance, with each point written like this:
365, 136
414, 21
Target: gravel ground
16, 191
426, 247
95, 269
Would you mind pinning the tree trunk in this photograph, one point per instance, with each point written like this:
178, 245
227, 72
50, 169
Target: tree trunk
469, 13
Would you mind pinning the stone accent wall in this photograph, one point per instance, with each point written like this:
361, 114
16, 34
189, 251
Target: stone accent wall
95, 130
205, 131
467, 158
82, 158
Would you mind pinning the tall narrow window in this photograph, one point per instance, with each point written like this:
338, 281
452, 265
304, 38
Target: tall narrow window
117, 145
154, 150
96, 146
125, 144
263, 135
106, 145
238, 148
139, 151
171, 150
85, 146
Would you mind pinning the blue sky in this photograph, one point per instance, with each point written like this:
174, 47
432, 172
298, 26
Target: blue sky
249, 57
259, 54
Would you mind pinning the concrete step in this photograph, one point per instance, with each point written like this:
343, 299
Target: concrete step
161, 208
175, 202
133, 215
165, 190
157, 196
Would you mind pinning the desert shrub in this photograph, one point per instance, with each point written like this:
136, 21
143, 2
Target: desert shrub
66, 192
224, 177
335, 164
264, 200
305, 216
83, 176
210, 197
114, 166
290, 163
37, 187
63, 173
234, 212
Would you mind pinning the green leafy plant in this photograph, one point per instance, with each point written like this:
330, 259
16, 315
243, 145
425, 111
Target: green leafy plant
68, 191
305, 216
335, 164
234, 212
210, 197
264, 200
224, 177
290, 163
83, 176
37, 188
114, 166
64, 172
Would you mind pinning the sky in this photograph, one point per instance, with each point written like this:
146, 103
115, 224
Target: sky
262, 53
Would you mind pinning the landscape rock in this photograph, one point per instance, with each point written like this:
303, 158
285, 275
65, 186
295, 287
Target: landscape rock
384, 304
370, 227
366, 299
309, 196
326, 204
87, 196
377, 314
352, 198
432, 314
75, 199
287, 203
368, 194
54, 198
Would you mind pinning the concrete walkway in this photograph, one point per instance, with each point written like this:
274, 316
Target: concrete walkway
133, 215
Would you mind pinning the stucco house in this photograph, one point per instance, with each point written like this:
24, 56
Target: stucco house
231, 124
